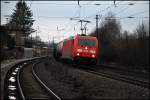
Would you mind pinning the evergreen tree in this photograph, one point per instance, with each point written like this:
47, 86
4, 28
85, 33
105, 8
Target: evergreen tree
22, 18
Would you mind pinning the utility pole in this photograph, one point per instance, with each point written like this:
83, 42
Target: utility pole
97, 17
97, 26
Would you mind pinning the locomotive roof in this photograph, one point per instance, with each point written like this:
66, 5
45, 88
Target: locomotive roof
92, 37
77, 36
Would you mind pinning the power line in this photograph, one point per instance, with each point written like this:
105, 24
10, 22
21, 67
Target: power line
131, 17
127, 17
88, 3
122, 10
138, 13
76, 11
103, 9
98, 4
65, 29
52, 17
129, 3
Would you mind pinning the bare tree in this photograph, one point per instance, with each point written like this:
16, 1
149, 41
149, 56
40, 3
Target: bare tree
131, 49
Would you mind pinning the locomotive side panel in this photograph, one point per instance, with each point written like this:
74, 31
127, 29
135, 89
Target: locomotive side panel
67, 49
79, 48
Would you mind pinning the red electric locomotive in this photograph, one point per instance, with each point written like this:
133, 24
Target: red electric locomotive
78, 48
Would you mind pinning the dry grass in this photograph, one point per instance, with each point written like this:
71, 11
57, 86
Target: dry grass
74, 83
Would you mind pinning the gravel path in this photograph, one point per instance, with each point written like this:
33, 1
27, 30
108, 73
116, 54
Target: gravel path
73, 83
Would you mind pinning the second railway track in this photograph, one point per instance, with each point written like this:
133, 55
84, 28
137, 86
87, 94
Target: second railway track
119, 77
116, 76
122, 78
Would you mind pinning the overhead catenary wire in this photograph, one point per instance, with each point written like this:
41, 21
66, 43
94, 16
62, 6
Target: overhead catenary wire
138, 13
126, 17
65, 26
79, 12
122, 10
118, 3
132, 16
89, 3
129, 16
97, 13
53, 17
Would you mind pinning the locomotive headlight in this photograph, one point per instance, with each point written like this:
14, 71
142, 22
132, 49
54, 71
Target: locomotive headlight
86, 48
92, 51
93, 56
78, 54
79, 50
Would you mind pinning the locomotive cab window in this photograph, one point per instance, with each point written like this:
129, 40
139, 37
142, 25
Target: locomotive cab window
86, 42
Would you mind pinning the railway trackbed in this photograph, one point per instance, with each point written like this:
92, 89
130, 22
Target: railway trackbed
120, 78
113, 75
21, 82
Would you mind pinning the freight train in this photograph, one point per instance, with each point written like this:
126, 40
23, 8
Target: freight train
78, 48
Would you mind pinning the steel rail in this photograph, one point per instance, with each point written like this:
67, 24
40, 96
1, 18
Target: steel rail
19, 86
114, 76
117, 77
12, 87
43, 85
117, 68
121, 78
18, 76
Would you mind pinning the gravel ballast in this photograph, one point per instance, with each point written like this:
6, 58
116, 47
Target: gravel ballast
70, 83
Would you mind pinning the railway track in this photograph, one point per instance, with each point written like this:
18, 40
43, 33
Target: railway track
119, 74
120, 69
119, 77
21, 82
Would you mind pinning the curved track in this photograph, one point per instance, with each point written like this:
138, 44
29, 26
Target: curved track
23, 83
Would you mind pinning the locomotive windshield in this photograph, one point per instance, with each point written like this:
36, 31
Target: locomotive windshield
86, 42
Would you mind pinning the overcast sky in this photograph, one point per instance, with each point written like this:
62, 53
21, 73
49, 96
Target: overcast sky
53, 17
